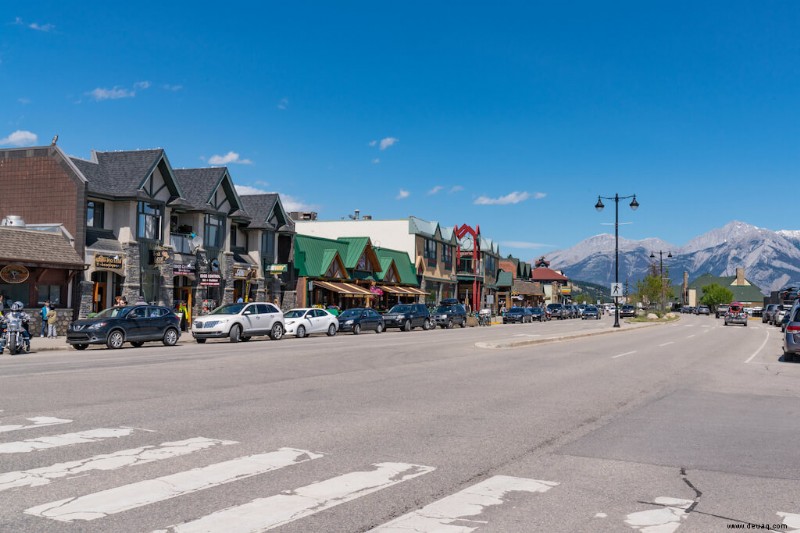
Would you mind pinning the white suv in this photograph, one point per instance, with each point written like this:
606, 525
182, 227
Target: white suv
239, 322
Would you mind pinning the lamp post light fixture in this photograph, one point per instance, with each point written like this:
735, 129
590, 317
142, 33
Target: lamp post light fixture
661, 270
599, 206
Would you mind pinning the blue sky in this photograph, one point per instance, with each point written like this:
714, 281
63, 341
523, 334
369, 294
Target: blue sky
510, 115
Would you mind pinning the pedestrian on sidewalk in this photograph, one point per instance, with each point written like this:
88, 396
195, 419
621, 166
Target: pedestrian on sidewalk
52, 318
43, 314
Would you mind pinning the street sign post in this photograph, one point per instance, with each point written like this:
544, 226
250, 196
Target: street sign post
616, 290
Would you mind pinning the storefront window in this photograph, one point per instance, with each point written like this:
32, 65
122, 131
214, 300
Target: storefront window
214, 230
15, 292
149, 221
50, 292
95, 214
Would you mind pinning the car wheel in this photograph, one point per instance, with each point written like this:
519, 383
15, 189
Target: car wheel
246, 338
137, 344
80, 346
407, 325
426, 325
276, 333
450, 324
463, 323
236, 333
357, 329
331, 330
379, 329
170, 337
200, 341
301, 332
115, 340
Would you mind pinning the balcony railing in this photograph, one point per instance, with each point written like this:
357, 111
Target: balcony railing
180, 243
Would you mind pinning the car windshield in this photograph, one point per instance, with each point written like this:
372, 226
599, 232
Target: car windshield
444, 309
113, 312
400, 309
591, 308
228, 309
515, 310
294, 313
536, 309
350, 313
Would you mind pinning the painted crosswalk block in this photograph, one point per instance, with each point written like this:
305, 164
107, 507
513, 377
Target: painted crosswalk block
790, 520
126, 497
266, 513
67, 439
38, 422
664, 519
109, 461
458, 513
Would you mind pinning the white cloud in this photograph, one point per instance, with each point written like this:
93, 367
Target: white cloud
376, 161
283, 104
388, 141
402, 195
290, 203
24, 101
511, 198
230, 157
35, 25
373, 143
19, 138
456, 188
173, 88
539, 195
141, 85
435, 190
524, 244
116, 93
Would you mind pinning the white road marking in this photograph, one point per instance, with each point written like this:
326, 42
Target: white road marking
665, 519
263, 514
791, 520
109, 461
666, 344
66, 439
38, 422
690, 336
623, 354
601, 515
126, 497
450, 513
766, 338
527, 335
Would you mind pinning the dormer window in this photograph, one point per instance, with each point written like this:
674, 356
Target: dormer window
149, 220
95, 214
214, 231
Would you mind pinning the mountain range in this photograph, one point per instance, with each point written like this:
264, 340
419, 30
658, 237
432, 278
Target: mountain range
771, 259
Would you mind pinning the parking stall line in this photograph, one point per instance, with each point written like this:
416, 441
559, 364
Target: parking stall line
266, 513
126, 497
624, 354
666, 344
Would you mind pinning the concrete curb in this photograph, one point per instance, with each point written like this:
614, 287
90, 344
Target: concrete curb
561, 338
60, 344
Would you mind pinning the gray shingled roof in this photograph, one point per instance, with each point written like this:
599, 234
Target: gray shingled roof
102, 240
119, 173
38, 247
259, 207
198, 184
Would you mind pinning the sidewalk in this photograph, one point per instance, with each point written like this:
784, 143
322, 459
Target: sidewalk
39, 344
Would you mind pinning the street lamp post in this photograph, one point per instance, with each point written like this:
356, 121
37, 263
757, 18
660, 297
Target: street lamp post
661, 270
599, 206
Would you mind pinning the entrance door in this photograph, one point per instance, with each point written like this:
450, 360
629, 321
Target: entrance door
185, 295
99, 297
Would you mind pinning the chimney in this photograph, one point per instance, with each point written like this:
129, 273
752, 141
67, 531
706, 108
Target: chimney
740, 277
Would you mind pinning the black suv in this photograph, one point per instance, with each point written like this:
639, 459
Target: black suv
446, 316
136, 324
407, 317
515, 314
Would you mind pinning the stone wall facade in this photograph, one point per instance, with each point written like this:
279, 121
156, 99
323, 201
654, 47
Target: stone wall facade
65, 318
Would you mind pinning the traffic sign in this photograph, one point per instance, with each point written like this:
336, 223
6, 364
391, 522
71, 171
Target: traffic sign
616, 290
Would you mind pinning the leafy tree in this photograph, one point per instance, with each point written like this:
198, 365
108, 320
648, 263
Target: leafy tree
715, 294
653, 287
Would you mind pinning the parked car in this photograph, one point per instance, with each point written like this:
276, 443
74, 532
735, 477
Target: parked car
702, 310
721, 310
408, 316
446, 316
136, 324
769, 313
239, 322
627, 311
537, 313
359, 319
791, 334
305, 321
736, 314
556, 311
780, 312
515, 314
591, 312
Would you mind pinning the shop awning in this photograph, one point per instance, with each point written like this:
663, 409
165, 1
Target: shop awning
343, 288
409, 291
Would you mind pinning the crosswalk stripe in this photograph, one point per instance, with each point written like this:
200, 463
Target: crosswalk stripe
66, 439
38, 422
449, 514
110, 461
666, 519
791, 520
126, 497
266, 513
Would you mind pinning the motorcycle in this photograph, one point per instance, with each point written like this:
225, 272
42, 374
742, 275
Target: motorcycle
14, 334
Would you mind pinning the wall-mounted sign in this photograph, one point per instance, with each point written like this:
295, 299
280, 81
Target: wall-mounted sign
209, 279
276, 269
240, 272
108, 261
181, 269
14, 274
159, 255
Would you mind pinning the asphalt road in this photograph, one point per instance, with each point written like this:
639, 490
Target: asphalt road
689, 426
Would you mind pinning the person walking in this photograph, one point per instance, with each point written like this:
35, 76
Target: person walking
43, 314
52, 318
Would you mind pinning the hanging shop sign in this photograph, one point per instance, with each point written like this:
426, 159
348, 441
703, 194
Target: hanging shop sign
276, 269
209, 279
14, 274
111, 262
377, 291
241, 272
159, 255
181, 269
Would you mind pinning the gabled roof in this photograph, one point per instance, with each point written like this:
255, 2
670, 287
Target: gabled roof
20, 245
547, 274
405, 268
122, 174
741, 293
504, 279
422, 227
260, 207
314, 255
356, 247
200, 185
